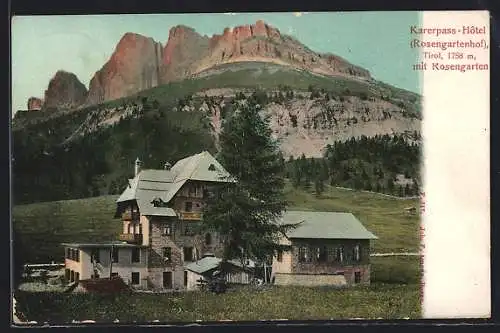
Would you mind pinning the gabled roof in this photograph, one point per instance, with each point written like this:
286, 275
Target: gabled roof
153, 184
326, 225
201, 166
209, 263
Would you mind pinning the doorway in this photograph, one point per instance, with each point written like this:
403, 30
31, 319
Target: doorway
167, 280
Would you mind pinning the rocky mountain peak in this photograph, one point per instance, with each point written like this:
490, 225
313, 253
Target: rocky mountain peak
65, 90
139, 63
133, 66
35, 103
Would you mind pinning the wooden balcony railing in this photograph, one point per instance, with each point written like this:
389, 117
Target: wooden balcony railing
129, 216
131, 238
194, 216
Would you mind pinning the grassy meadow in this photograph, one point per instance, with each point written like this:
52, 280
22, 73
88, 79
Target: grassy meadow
268, 303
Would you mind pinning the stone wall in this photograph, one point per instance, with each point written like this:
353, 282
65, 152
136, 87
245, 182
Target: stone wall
177, 240
308, 280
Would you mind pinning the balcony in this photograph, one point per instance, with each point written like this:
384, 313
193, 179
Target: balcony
130, 216
131, 238
193, 216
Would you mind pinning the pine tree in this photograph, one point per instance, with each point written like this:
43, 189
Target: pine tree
297, 174
248, 210
319, 186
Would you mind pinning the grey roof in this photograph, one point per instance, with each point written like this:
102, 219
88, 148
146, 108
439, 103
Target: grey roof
101, 245
164, 184
129, 192
326, 225
197, 167
154, 175
203, 265
209, 263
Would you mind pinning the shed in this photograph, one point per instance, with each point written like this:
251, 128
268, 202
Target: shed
204, 269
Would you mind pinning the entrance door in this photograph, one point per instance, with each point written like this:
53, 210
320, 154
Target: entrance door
167, 280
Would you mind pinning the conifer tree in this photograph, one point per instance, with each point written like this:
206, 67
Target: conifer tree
248, 209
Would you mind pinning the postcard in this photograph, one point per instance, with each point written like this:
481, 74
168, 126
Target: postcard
191, 168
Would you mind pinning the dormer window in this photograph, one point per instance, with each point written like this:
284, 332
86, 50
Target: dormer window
157, 202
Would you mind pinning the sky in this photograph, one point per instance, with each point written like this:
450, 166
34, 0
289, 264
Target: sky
42, 45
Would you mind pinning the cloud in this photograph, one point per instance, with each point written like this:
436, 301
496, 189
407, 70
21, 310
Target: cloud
297, 14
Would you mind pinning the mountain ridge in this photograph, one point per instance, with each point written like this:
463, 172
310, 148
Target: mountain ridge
138, 62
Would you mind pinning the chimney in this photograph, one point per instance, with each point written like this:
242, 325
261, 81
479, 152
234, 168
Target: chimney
138, 165
167, 166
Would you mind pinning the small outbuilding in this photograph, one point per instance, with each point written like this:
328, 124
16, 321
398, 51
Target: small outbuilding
203, 270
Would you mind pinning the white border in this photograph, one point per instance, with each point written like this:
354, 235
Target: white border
456, 220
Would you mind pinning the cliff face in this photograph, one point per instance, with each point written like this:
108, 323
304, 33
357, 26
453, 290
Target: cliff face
262, 42
34, 104
65, 91
133, 66
184, 49
140, 63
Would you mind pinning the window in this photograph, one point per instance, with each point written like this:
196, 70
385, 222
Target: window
211, 167
130, 230
340, 254
208, 239
167, 280
136, 254
77, 276
332, 254
77, 255
357, 277
66, 274
167, 253
192, 190
188, 206
321, 254
114, 274
167, 229
115, 255
135, 278
188, 253
280, 256
72, 276
356, 253
95, 256
303, 254
190, 228
185, 278
140, 229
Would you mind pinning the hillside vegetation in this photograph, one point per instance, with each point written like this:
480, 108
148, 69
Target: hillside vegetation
89, 152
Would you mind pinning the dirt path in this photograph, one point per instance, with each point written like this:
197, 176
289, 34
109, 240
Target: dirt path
381, 194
